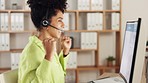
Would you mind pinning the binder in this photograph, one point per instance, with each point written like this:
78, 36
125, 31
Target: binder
88, 21
80, 4
0, 42
12, 21
115, 21
100, 4
17, 19
94, 36
2, 5
17, 55
13, 61
2, 21
72, 61
100, 21
83, 39
15, 58
87, 5
93, 5
6, 25
93, 19
3, 41
7, 42
66, 21
115, 4
21, 22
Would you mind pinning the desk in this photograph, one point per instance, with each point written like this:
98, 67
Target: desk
144, 78
109, 75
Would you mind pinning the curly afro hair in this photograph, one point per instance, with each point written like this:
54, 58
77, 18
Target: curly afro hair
39, 9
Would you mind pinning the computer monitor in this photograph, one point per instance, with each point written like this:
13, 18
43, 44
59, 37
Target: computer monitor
129, 50
132, 53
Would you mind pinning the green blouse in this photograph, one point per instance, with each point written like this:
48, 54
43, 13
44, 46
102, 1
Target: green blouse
33, 68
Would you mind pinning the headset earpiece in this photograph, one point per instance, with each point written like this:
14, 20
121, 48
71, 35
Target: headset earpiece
45, 23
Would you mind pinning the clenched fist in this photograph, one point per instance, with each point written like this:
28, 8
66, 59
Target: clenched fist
66, 44
50, 47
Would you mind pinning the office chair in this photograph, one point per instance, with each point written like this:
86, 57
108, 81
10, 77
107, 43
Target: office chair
9, 76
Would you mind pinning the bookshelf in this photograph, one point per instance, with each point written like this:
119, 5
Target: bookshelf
107, 38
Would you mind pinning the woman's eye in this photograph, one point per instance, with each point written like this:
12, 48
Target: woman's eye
60, 20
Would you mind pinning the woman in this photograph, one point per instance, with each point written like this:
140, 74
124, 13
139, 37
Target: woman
39, 61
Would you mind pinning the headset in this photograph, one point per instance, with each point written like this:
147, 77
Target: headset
45, 22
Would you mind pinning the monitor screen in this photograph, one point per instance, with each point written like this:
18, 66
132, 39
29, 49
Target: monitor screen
128, 52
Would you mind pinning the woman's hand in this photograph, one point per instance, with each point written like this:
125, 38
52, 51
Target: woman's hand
66, 44
50, 47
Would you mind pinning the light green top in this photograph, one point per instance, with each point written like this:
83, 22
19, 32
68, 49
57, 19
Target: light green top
33, 68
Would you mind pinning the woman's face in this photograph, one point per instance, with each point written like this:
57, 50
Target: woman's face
56, 21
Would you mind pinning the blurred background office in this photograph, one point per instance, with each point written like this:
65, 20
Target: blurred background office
95, 26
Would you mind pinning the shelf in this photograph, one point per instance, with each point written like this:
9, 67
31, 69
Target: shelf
106, 68
16, 50
78, 49
4, 32
71, 11
20, 50
68, 11
71, 69
93, 11
105, 31
81, 30
89, 11
28, 11
4, 51
97, 68
87, 68
4, 11
20, 11
11, 50
4, 69
26, 31
31, 31
15, 11
117, 11
92, 31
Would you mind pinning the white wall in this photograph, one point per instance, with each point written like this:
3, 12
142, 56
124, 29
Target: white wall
131, 10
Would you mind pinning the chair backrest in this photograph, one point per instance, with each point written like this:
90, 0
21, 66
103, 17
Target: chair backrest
9, 76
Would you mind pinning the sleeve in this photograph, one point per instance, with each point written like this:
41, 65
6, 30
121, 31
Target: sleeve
43, 72
63, 61
34, 70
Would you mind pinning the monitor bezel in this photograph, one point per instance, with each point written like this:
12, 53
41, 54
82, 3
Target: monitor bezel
135, 50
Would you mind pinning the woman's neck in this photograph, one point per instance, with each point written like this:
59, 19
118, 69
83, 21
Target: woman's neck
43, 35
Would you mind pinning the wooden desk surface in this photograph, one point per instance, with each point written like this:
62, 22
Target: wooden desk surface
108, 75
143, 80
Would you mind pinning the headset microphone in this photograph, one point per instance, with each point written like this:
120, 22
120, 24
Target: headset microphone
57, 28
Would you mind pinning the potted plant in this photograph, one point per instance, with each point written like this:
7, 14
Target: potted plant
110, 60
